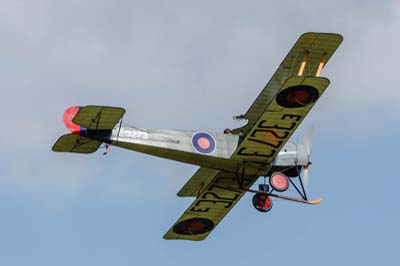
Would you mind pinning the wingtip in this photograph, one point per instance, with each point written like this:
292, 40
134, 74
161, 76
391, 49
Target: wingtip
337, 35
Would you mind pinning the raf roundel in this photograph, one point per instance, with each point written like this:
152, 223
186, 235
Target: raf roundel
203, 142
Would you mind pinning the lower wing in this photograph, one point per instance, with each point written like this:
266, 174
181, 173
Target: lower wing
214, 200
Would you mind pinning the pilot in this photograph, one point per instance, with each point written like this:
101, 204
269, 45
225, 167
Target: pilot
228, 131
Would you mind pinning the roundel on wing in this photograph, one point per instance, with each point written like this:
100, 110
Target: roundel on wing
203, 142
297, 96
193, 226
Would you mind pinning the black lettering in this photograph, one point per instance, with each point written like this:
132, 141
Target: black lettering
261, 125
240, 152
296, 117
218, 197
285, 133
193, 209
228, 203
267, 143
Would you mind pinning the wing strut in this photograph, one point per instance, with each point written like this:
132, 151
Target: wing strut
321, 65
303, 63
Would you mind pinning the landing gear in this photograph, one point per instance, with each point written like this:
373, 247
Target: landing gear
108, 148
279, 181
262, 202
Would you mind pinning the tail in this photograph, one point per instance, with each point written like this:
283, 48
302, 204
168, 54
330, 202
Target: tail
69, 115
84, 122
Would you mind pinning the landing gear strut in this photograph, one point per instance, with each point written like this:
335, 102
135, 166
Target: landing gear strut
277, 182
262, 200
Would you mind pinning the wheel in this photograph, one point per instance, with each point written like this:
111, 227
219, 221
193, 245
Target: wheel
262, 202
279, 181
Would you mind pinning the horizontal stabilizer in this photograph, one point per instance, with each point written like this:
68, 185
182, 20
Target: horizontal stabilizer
94, 117
75, 143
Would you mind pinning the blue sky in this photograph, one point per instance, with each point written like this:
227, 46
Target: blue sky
192, 65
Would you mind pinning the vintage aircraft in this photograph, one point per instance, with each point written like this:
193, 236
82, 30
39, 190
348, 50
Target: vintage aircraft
232, 161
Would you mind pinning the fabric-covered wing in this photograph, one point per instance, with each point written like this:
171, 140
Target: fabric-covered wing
197, 182
210, 207
311, 48
75, 143
280, 119
98, 117
272, 119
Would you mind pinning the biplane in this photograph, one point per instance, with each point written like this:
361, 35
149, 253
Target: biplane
231, 161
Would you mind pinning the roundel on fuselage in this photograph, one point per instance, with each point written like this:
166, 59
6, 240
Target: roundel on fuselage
203, 142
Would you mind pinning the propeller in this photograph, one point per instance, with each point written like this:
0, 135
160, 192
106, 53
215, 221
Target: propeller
307, 145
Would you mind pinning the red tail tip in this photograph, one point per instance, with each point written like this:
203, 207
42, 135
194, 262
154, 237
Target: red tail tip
69, 114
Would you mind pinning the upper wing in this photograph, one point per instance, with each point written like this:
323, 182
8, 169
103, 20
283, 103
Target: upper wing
310, 53
273, 117
94, 117
211, 205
